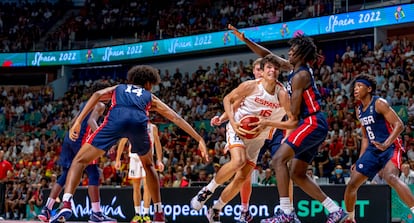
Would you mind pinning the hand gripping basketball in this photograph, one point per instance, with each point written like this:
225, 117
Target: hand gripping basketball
246, 128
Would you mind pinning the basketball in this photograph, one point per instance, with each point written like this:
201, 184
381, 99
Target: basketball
244, 124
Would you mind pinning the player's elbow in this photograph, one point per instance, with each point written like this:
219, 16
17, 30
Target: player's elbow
399, 126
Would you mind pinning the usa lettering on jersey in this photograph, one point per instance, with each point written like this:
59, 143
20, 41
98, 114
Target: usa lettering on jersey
368, 120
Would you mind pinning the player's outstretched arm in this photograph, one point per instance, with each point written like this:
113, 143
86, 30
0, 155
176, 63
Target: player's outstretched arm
167, 112
96, 113
103, 94
258, 49
158, 148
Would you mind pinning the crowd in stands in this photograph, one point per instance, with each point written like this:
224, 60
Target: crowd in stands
23, 25
33, 123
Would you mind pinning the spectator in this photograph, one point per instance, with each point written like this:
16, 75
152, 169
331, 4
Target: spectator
10, 199
349, 53
309, 172
258, 174
410, 151
336, 150
5, 167
180, 180
269, 179
338, 176
407, 175
377, 179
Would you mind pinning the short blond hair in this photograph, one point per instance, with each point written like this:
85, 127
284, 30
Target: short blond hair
257, 61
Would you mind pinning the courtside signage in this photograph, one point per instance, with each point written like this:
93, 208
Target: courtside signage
117, 203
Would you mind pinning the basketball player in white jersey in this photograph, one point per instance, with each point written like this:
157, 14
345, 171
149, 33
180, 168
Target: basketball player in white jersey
136, 173
265, 98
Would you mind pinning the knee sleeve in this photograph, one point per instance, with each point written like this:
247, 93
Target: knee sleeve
93, 174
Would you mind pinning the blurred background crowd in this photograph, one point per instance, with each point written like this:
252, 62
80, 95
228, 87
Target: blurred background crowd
59, 25
33, 122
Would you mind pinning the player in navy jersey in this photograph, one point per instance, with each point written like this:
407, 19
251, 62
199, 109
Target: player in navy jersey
69, 150
303, 143
127, 118
381, 147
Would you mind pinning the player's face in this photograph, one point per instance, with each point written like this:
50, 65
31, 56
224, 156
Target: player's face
293, 57
361, 90
257, 71
270, 71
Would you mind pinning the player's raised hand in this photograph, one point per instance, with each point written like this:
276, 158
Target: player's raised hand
215, 121
74, 131
236, 32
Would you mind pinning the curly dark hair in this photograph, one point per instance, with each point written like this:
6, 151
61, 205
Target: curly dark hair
306, 48
371, 80
270, 58
141, 74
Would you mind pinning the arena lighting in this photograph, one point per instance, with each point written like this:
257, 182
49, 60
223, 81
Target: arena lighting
97, 67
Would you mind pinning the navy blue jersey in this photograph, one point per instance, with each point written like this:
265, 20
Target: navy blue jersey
128, 95
311, 97
127, 117
376, 127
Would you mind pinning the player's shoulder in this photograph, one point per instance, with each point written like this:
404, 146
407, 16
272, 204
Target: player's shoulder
381, 100
249, 84
280, 85
381, 103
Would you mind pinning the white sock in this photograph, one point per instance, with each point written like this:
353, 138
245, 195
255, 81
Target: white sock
137, 210
330, 205
351, 215
245, 206
49, 203
146, 211
158, 207
212, 185
412, 209
285, 205
219, 204
96, 206
67, 196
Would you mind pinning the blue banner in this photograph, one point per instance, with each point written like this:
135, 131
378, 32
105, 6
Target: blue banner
13, 59
279, 31
367, 19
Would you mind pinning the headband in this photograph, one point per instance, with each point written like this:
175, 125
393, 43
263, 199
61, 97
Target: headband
367, 83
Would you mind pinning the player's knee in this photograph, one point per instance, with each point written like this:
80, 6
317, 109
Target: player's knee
80, 160
279, 160
391, 179
352, 186
238, 162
